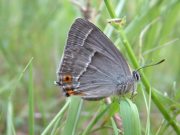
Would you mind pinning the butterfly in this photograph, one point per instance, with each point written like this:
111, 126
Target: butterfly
91, 66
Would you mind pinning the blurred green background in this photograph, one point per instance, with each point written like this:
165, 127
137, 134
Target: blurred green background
38, 29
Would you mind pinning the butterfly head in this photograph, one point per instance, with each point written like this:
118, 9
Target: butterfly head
136, 74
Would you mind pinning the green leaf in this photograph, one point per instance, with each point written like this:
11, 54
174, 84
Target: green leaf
73, 115
130, 117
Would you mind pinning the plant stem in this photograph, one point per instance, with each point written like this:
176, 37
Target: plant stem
136, 65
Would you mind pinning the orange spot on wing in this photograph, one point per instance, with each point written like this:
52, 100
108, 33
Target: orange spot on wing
72, 92
67, 78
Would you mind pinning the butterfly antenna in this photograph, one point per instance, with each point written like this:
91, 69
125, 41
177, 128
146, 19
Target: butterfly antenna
151, 65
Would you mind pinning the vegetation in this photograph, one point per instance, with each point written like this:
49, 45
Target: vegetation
32, 39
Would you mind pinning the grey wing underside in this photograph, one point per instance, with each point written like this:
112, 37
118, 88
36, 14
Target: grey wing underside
93, 61
98, 80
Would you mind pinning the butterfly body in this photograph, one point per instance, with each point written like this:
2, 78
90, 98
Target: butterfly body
91, 66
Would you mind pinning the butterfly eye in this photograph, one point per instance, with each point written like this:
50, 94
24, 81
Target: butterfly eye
67, 78
136, 76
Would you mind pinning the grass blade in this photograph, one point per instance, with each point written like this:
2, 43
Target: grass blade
31, 100
130, 117
73, 115
59, 114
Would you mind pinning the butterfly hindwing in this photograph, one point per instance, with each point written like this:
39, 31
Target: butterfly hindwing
93, 62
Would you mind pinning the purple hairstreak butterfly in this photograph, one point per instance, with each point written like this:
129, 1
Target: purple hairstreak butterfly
92, 67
